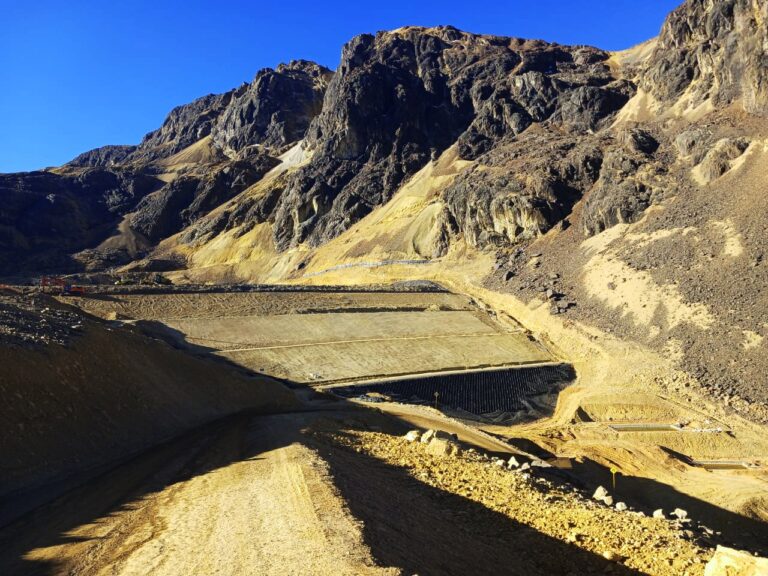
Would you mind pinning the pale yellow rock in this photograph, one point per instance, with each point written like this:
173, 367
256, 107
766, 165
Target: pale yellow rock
730, 562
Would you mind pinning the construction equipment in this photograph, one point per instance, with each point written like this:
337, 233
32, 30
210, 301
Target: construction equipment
56, 284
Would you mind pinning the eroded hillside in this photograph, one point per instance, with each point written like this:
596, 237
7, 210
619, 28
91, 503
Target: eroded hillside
610, 203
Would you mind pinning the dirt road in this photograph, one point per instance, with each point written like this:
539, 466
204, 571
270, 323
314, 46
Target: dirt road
335, 490
240, 497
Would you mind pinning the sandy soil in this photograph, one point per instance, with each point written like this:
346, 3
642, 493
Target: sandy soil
240, 497
320, 493
95, 393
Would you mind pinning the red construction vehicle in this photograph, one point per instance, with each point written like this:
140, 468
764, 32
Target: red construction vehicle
60, 286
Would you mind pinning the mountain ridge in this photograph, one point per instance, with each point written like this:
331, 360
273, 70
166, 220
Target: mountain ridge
622, 189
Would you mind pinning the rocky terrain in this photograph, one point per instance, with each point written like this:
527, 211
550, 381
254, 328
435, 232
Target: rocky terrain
549, 145
605, 205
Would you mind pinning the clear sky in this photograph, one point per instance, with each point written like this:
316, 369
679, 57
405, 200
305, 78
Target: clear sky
78, 74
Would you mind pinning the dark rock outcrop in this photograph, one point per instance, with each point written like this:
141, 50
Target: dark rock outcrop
716, 50
45, 217
400, 98
275, 109
105, 156
184, 126
512, 196
181, 202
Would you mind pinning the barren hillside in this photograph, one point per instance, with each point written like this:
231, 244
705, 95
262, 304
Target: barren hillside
443, 204
79, 394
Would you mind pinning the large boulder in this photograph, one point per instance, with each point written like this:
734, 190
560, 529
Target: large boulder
730, 562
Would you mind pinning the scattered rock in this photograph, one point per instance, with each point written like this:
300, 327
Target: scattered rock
600, 493
512, 462
443, 447
427, 436
621, 506
413, 435
659, 513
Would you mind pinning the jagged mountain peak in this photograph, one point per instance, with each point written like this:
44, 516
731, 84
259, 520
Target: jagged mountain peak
716, 51
400, 98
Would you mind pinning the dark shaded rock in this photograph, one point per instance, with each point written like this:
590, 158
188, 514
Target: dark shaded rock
187, 198
622, 193
615, 202
275, 109
514, 195
46, 216
105, 156
713, 50
637, 140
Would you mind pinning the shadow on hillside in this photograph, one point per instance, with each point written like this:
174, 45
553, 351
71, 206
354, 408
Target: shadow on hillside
425, 530
178, 339
647, 495
407, 524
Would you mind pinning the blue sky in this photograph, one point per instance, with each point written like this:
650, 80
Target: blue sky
79, 74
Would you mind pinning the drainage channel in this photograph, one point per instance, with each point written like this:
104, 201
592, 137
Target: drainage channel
661, 427
725, 464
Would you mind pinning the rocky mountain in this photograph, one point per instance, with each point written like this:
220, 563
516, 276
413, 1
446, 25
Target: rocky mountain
204, 153
712, 51
401, 98
626, 185
398, 100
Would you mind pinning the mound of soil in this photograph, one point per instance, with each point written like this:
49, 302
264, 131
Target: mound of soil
79, 393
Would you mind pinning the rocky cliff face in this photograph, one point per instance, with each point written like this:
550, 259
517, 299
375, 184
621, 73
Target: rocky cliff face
538, 121
714, 50
401, 98
275, 109
184, 126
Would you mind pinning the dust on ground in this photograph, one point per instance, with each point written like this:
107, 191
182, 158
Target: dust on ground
332, 492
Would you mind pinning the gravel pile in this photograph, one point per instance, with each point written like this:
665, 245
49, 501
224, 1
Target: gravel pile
624, 537
36, 321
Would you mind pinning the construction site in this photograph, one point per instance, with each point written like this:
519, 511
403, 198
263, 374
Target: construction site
465, 304
362, 368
